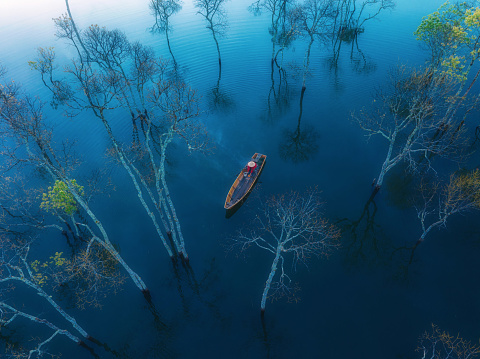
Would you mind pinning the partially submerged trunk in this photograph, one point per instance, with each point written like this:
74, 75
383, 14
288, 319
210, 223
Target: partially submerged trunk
268, 284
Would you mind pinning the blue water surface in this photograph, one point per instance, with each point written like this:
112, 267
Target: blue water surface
359, 302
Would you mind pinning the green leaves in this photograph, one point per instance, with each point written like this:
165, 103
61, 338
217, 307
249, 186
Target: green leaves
40, 270
452, 33
59, 198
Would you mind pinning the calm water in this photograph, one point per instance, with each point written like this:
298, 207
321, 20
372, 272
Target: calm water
353, 305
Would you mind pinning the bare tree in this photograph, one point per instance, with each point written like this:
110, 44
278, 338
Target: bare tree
20, 208
88, 277
162, 10
439, 202
214, 13
438, 344
124, 75
350, 17
288, 225
16, 269
9, 314
22, 122
409, 114
312, 19
300, 144
281, 30
283, 33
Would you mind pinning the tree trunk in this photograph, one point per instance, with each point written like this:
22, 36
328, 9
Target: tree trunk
128, 168
270, 278
42, 321
169, 48
218, 48
49, 299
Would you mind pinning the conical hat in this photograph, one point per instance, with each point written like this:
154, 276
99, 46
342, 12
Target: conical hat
251, 164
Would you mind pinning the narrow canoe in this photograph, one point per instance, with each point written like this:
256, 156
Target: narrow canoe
244, 182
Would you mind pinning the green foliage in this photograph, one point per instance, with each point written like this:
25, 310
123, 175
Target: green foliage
40, 269
452, 33
59, 198
444, 25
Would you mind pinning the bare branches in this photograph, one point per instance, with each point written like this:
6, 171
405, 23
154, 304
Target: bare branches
15, 268
24, 120
289, 224
440, 344
352, 14
411, 115
214, 13
313, 17
162, 10
120, 74
370, 9
9, 314
90, 275
461, 194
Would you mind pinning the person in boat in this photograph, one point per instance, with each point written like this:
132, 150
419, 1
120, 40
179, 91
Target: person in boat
251, 167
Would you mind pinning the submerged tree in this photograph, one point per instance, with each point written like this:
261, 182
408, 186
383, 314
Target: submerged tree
16, 270
300, 144
289, 226
214, 13
452, 34
283, 33
281, 28
362, 243
439, 202
438, 344
309, 19
349, 19
124, 75
29, 142
410, 115
312, 19
163, 10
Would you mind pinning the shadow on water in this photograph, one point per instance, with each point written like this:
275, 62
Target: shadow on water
269, 338
219, 99
279, 95
364, 243
300, 144
230, 212
191, 289
360, 63
265, 338
400, 187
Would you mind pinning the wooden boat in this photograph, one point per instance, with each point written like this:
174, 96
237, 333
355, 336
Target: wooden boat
244, 182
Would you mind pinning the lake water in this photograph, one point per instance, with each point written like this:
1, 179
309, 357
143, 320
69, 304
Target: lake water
356, 303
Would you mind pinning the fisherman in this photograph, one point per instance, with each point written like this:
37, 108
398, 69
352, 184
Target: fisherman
251, 167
